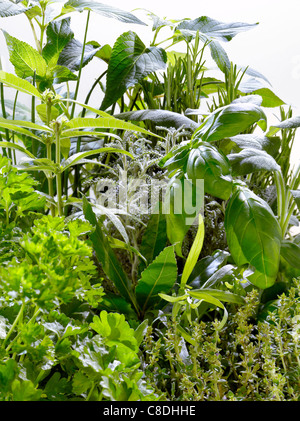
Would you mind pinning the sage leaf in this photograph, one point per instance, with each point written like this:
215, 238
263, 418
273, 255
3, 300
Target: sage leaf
102, 9
251, 160
159, 117
70, 56
215, 29
9, 8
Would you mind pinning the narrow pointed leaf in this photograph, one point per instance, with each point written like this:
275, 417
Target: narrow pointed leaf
102, 123
19, 84
225, 296
209, 298
21, 123
74, 159
251, 160
17, 147
6, 124
193, 253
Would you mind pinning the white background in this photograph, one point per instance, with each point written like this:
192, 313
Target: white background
272, 47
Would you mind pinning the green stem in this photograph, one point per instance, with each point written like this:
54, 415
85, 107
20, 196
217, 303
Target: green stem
280, 197
81, 64
77, 168
34, 141
58, 175
91, 391
4, 116
50, 180
37, 43
16, 321
91, 91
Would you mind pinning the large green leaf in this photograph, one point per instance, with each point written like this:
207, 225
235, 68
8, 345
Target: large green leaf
208, 163
10, 8
19, 84
102, 9
263, 143
26, 60
269, 98
130, 62
70, 56
158, 277
185, 199
59, 34
253, 236
251, 160
230, 120
213, 28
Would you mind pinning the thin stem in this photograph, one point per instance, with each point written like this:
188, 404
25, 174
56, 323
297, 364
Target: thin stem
58, 175
16, 321
280, 197
81, 64
4, 116
34, 141
50, 180
91, 91
37, 43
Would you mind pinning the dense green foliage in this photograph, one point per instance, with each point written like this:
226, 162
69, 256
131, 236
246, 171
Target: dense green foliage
135, 300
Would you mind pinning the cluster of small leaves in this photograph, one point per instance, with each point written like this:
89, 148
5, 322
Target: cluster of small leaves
57, 358
20, 204
18, 196
253, 358
56, 265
